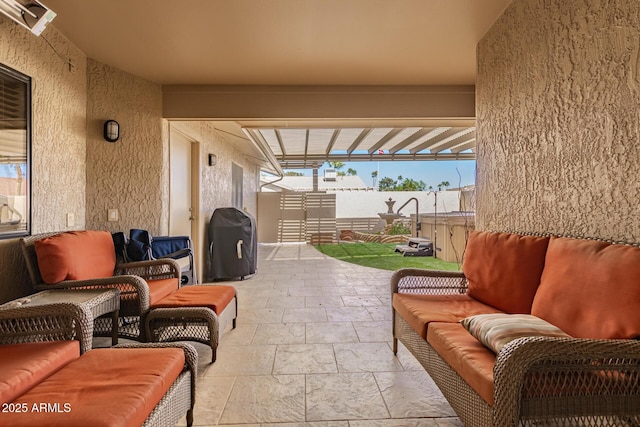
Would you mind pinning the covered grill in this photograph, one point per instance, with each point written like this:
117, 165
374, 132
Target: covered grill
233, 245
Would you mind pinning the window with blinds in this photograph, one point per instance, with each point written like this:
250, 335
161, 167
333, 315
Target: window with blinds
15, 143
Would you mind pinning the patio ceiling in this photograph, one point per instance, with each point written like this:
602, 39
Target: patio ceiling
302, 147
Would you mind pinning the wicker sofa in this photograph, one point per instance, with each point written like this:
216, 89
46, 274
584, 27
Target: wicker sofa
50, 376
589, 374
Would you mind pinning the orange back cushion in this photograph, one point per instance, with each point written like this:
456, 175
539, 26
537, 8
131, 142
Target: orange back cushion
76, 255
590, 289
504, 269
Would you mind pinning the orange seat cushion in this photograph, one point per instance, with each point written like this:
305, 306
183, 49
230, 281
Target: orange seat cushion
112, 387
591, 289
76, 255
504, 269
215, 297
22, 366
161, 288
466, 355
420, 310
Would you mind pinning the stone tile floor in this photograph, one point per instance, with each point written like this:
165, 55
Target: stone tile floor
313, 348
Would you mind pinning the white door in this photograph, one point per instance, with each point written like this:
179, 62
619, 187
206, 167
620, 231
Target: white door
180, 206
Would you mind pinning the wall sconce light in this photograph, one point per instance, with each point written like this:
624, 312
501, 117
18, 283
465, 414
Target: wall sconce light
111, 130
213, 159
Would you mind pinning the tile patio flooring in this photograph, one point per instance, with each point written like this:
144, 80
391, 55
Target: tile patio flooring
313, 348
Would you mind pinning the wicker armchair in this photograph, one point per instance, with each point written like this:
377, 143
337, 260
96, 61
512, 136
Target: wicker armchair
537, 380
130, 279
51, 322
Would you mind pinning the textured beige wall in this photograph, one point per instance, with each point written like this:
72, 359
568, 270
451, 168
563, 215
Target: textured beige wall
58, 140
215, 181
130, 175
59, 129
558, 101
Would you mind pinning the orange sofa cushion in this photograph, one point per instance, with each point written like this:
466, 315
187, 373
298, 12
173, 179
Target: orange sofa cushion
76, 255
504, 269
161, 288
590, 289
215, 297
466, 355
113, 387
420, 310
22, 366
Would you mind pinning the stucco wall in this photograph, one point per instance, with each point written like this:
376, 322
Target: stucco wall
558, 101
58, 141
59, 129
130, 175
215, 181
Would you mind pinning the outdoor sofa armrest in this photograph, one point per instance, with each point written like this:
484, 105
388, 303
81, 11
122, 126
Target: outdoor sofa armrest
48, 322
434, 282
154, 269
134, 291
566, 376
190, 362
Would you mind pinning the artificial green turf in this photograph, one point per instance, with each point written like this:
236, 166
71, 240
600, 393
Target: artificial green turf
382, 255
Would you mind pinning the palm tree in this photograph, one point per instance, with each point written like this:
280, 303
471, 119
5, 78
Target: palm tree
443, 184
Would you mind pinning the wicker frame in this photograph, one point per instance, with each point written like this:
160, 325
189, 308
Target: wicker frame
68, 321
181, 396
50, 322
537, 380
130, 279
199, 324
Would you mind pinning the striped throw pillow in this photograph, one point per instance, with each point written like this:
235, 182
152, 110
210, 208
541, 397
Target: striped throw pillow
496, 330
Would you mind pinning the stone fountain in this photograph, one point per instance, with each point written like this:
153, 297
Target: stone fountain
389, 215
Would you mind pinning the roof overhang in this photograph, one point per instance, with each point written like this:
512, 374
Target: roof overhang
301, 146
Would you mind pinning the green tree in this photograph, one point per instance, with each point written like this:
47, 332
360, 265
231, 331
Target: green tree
293, 173
443, 184
387, 184
374, 175
409, 184
352, 172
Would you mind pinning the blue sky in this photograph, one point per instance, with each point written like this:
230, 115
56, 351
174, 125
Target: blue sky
431, 172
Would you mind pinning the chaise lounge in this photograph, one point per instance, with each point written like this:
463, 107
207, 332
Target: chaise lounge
47, 348
153, 305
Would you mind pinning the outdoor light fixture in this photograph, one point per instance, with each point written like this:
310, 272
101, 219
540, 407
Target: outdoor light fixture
111, 130
213, 159
31, 14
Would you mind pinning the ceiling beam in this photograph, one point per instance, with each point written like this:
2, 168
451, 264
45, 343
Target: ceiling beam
435, 140
455, 141
464, 146
319, 158
413, 138
334, 137
384, 140
306, 143
358, 140
279, 138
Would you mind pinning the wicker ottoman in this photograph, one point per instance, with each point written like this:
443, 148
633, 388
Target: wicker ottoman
193, 313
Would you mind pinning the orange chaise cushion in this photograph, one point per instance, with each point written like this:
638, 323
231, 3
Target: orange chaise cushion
466, 355
161, 288
112, 387
504, 269
22, 366
420, 310
215, 297
76, 255
591, 289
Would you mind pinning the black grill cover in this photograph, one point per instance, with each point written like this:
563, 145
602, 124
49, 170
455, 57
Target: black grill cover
233, 245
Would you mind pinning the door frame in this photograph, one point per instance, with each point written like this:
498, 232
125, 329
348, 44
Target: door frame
196, 230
